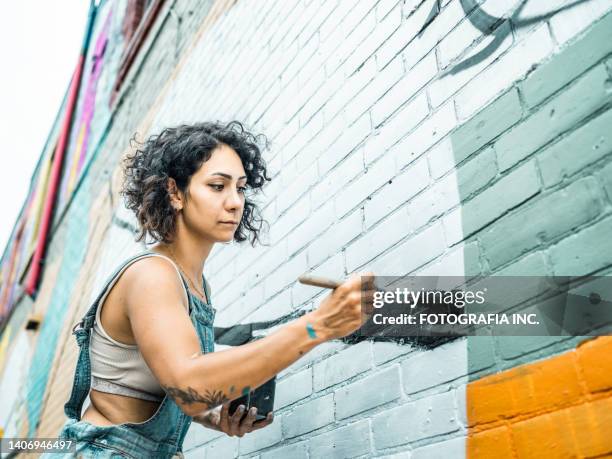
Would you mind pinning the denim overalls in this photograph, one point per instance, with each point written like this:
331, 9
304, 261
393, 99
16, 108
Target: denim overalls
162, 435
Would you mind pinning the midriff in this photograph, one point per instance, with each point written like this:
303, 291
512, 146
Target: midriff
111, 409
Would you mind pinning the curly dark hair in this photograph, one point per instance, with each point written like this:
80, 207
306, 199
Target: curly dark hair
178, 152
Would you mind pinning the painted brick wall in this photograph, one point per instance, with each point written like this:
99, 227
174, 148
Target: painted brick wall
408, 137
403, 149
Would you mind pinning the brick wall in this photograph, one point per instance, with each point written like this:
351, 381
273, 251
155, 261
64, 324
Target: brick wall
430, 137
402, 149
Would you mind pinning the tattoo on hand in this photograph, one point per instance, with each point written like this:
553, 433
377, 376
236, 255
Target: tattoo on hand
210, 398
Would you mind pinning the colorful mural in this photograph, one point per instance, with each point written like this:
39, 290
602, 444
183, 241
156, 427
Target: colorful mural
80, 141
16, 261
515, 181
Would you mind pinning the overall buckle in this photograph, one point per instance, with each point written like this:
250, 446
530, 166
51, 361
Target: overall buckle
78, 324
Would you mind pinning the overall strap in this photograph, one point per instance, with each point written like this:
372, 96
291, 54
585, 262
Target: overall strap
206, 291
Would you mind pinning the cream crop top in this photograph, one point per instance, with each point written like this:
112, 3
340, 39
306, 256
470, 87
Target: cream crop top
119, 368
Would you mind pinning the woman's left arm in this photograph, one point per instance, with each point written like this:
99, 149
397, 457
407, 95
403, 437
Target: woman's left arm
218, 418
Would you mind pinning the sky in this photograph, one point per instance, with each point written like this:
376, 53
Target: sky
40, 42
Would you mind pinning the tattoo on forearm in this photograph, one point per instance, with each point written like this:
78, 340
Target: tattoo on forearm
210, 398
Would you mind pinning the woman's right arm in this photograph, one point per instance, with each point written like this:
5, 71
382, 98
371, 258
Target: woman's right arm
169, 344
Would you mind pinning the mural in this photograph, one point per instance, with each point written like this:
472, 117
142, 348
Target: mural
489, 25
24, 238
518, 189
80, 142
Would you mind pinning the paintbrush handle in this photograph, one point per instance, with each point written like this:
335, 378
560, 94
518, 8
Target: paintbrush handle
319, 281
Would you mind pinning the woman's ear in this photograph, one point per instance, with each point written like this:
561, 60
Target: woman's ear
175, 195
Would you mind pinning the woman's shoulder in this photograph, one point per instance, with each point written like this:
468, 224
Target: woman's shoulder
153, 279
150, 268
146, 270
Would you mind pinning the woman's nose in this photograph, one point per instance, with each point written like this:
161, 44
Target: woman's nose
234, 200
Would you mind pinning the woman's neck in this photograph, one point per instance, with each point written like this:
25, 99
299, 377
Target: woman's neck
191, 257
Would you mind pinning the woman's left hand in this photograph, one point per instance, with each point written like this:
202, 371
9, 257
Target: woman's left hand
220, 419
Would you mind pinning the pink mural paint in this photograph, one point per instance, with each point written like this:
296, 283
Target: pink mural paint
83, 127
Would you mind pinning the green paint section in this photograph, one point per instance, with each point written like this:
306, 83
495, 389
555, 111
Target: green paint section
571, 62
573, 104
542, 203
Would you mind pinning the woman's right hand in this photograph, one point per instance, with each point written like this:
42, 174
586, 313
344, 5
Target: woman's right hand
346, 308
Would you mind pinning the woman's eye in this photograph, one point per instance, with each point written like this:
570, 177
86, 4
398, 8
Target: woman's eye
241, 189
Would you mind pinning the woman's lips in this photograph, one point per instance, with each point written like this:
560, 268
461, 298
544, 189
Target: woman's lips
229, 223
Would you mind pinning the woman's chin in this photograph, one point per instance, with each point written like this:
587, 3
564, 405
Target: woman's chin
227, 237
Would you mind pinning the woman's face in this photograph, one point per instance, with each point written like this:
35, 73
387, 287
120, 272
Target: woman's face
216, 196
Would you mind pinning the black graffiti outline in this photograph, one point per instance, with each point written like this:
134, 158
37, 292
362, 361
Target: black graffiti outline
489, 25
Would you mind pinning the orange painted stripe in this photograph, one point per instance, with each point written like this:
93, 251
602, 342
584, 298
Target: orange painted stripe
557, 408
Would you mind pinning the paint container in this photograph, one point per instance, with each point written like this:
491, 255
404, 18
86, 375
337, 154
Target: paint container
262, 398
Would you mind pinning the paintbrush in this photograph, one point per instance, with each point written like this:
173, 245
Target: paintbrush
319, 281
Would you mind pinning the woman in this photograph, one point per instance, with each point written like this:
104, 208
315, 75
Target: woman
147, 341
